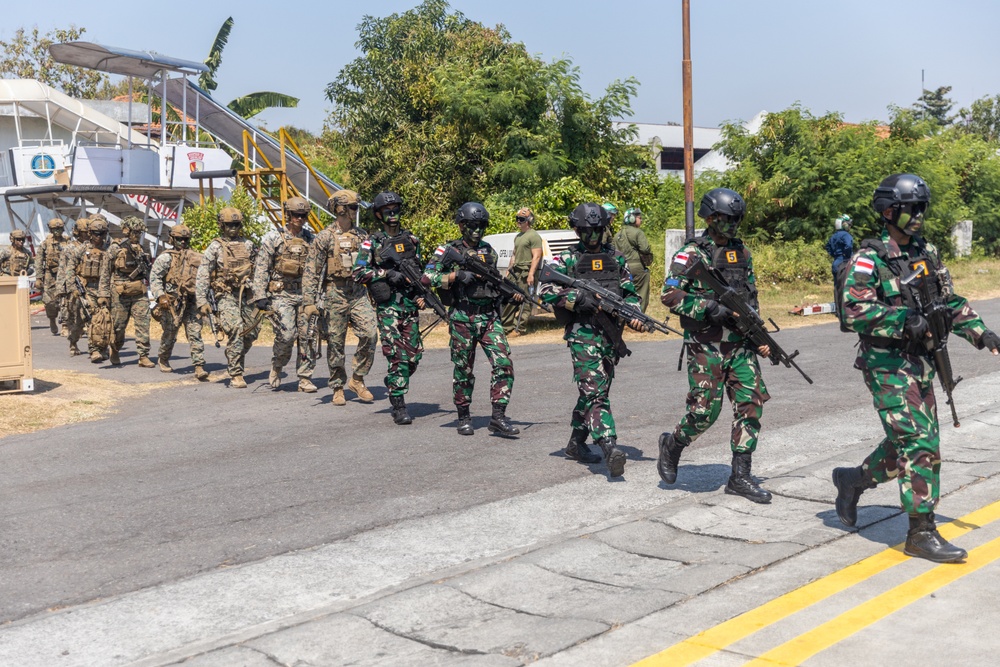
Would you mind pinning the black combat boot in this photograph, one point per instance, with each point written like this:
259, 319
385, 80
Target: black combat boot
577, 449
924, 541
499, 423
399, 413
670, 457
53, 326
850, 483
741, 483
614, 457
464, 421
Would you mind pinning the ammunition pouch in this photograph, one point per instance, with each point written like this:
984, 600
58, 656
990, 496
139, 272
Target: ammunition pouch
130, 288
380, 291
101, 328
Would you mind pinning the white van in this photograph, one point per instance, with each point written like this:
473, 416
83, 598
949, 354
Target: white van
554, 241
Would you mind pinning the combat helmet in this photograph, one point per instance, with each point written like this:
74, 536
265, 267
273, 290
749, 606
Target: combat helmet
132, 223
343, 199
723, 210
631, 214
297, 206
56, 223
908, 196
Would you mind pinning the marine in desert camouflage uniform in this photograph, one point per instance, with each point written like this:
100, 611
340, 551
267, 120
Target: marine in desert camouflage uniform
47, 261
172, 282
124, 277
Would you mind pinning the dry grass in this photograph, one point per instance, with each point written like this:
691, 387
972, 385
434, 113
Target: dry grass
64, 397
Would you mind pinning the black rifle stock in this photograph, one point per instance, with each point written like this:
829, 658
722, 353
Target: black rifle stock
609, 302
746, 321
491, 275
413, 276
936, 312
83, 298
213, 304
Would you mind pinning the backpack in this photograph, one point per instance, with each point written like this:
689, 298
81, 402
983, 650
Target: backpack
841, 279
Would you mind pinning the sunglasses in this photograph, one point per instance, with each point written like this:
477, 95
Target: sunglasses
353, 207
298, 215
521, 218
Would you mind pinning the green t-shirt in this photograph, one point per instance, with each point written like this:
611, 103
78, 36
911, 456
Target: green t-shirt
524, 243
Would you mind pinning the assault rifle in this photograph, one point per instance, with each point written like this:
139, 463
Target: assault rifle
745, 319
214, 305
936, 312
314, 341
608, 301
413, 275
83, 297
491, 275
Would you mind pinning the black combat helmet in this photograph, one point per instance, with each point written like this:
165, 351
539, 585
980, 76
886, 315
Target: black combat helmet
908, 196
472, 212
589, 215
383, 199
390, 220
723, 210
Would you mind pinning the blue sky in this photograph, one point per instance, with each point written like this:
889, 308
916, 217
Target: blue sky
852, 56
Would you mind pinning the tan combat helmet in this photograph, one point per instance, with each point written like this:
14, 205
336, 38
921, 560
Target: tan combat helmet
98, 225
56, 223
341, 201
100, 217
180, 232
81, 227
18, 235
297, 206
229, 215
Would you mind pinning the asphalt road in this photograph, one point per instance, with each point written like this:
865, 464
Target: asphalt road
197, 477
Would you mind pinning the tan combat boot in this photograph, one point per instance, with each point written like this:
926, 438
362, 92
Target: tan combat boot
274, 378
338, 396
96, 357
115, 359
200, 373
357, 385
144, 362
164, 365
73, 350
306, 386
237, 382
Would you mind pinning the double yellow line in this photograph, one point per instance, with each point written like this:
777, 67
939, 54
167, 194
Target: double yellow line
797, 650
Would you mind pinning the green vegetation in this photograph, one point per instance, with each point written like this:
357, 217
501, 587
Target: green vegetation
203, 220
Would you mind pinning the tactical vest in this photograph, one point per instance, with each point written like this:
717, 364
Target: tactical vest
17, 263
341, 253
89, 266
602, 268
234, 266
53, 249
733, 263
183, 270
127, 263
397, 248
290, 261
477, 290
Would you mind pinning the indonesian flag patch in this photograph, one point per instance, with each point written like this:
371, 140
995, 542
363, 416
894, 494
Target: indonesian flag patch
367, 245
439, 252
864, 265
681, 258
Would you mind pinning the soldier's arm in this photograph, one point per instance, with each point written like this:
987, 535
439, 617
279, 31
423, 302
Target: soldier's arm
262, 265
436, 272
312, 276
675, 293
552, 294
863, 312
40, 261
629, 294
157, 274
107, 261
204, 275
365, 270
965, 321
752, 283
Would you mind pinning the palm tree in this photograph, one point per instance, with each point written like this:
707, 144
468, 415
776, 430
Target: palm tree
246, 106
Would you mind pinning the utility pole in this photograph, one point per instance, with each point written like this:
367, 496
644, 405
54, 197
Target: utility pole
688, 125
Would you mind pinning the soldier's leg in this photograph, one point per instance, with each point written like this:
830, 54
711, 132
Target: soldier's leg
497, 350
284, 335
169, 336
250, 336
397, 376
74, 322
192, 329
92, 307
337, 309
641, 282
231, 323
120, 313
362, 316
140, 317
463, 356
704, 399
51, 306
593, 381
306, 363
747, 393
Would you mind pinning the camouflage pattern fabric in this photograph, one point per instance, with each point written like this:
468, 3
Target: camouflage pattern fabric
235, 312
47, 260
468, 330
592, 354
93, 293
124, 308
184, 307
286, 302
398, 319
901, 383
14, 262
65, 285
346, 304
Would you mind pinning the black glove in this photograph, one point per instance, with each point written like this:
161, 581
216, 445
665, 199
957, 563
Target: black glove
716, 313
464, 277
916, 326
990, 340
262, 304
395, 278
585, 304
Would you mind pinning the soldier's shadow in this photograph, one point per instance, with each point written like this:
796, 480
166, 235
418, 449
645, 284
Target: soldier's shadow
416, 410
700, 477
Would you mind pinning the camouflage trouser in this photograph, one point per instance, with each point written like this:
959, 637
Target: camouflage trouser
75, 320
293, 328
402, 347
52, 302
904, 398
640, 278
348, 305
234, 317
593, 371
92, 307
515, 315
484, 330
192, 329
712, 366
136, 308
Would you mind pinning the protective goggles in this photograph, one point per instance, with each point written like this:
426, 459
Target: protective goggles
389, 211
522, 218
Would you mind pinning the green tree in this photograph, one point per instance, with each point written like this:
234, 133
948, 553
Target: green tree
26, 56
246, 106
982, 118
204, 224
444, 110
935, 105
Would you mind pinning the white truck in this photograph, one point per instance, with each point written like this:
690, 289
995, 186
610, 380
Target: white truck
554, 241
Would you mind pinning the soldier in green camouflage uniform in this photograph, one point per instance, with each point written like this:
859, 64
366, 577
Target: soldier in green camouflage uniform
277, 286
327, 279
66, 286
86, 264
895, 365
718, 357
397, 305
172, 282
47, 260
225, 269
591, 347
123, 278
14, 259
474, 320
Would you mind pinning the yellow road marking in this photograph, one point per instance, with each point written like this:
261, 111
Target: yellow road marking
715, 639
803, 647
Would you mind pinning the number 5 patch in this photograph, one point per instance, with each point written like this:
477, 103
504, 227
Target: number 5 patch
400, 247
732, 257
597, 265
